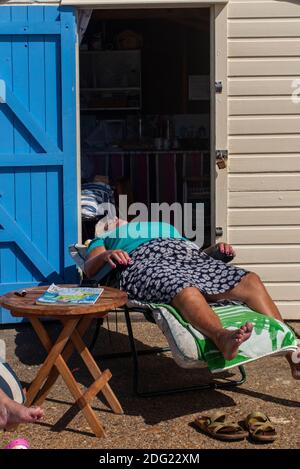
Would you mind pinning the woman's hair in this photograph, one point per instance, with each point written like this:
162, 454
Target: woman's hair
105, 224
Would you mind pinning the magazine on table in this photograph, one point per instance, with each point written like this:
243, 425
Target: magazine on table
73, 296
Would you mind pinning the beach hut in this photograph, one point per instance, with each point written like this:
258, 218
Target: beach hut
193, 101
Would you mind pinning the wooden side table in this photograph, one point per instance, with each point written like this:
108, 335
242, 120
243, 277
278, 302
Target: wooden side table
75, 320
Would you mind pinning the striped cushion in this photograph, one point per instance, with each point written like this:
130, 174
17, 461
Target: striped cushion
92, 196
78, 252
10, 384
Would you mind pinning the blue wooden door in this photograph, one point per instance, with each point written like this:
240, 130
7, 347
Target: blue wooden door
38, 180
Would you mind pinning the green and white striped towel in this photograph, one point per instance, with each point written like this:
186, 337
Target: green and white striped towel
269, 337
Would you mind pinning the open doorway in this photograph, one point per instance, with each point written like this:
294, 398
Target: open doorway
145, 105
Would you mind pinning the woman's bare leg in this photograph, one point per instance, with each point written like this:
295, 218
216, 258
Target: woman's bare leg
252, 291
193, 306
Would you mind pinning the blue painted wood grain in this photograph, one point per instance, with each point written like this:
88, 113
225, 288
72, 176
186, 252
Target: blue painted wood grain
38, 169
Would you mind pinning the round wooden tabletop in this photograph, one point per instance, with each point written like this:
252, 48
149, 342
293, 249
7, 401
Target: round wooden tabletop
25, 306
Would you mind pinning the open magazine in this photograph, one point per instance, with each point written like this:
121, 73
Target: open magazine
74, 296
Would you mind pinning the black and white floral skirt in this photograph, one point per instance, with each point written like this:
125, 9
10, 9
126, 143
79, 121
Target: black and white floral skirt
162, 267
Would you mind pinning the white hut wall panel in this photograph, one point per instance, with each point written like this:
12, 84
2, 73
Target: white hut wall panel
264, 144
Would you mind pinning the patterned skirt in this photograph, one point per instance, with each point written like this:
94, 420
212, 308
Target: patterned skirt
162, 267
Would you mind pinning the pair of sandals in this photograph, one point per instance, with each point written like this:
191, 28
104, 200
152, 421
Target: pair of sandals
257, 425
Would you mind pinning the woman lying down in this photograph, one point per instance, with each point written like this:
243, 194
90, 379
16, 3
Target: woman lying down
157, 265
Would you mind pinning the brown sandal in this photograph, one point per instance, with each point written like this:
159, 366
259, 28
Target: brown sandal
218, 427
260, 427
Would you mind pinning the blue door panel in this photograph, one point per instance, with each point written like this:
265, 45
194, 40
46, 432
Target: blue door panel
38, 179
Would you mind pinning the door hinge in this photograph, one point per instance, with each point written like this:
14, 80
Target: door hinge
219, 231
221, 158
218, 86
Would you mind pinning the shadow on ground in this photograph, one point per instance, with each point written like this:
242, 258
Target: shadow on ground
156, 371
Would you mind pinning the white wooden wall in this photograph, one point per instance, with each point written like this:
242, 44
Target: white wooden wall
264, 144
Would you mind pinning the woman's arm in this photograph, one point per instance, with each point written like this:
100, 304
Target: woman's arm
99, 256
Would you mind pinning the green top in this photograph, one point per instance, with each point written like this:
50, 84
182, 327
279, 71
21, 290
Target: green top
130, 236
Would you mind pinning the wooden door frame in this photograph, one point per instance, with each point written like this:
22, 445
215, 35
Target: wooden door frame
218, 103
219, 120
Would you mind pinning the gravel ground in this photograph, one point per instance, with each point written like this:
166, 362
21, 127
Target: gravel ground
161, 422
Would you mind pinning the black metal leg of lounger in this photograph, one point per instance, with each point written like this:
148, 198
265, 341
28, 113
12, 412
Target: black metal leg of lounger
152, 351
233, 383
99, 323
134, 353
199, 387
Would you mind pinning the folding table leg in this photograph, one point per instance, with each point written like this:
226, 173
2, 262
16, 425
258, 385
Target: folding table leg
65, 372
54, 353
95, 371
90, 363
82, 327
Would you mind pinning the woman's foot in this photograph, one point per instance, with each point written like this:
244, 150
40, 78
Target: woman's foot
12, 413
228, 342
294, 361
3, 415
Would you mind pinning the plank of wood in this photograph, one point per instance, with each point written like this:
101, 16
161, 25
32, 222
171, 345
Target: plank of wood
264, 199
263, 9
271, 125
284, 291
264, 144
289, 309
265, 182
264, 216
95, 388
263, 66
275, 254
283, 235
263, 28
262, 86
276, 105
275, 272
259, 47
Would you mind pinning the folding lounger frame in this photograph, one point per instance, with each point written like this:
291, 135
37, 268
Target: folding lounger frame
135, 354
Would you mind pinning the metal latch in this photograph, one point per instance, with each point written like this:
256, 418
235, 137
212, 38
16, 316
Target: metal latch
219, 231
218, 86
221, 158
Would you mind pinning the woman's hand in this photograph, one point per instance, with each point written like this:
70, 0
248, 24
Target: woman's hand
226, 249
117, 256
99, 256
